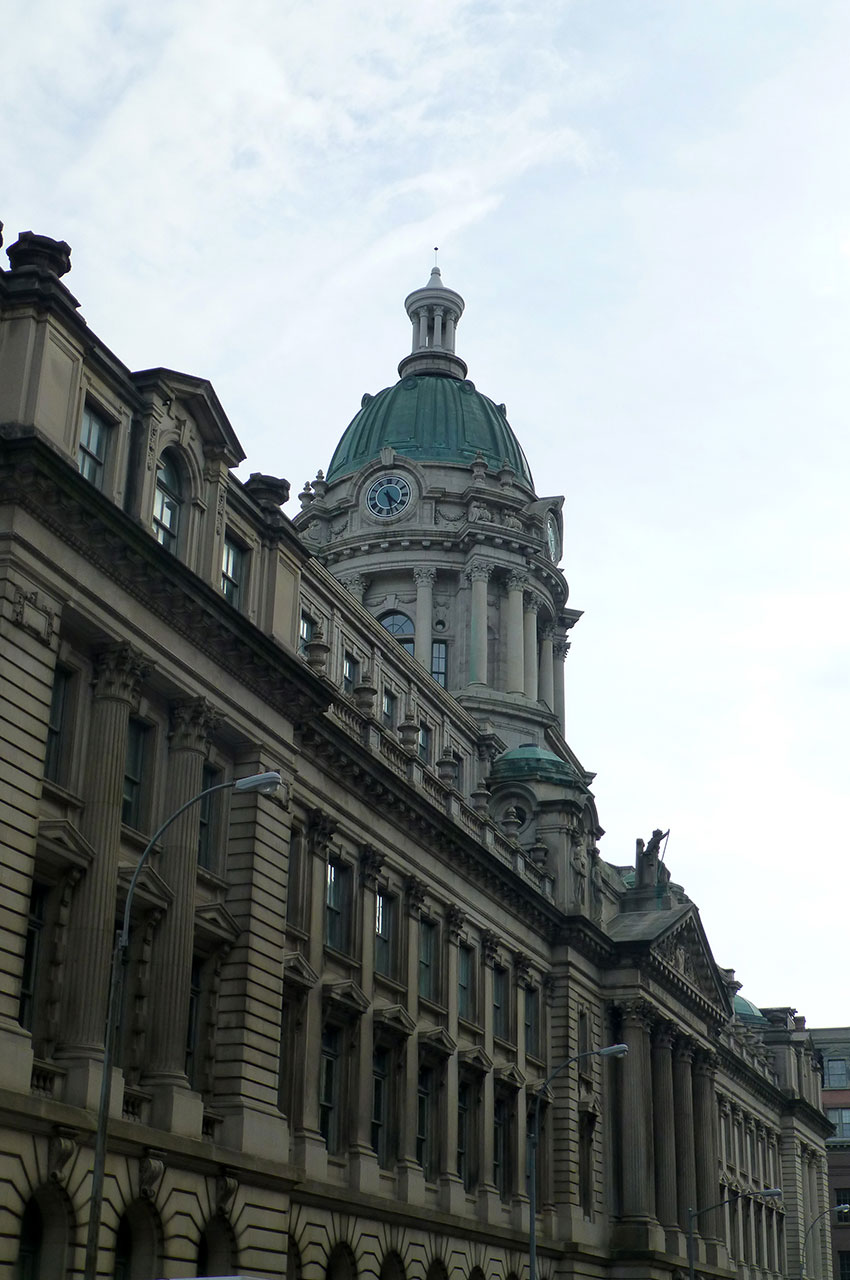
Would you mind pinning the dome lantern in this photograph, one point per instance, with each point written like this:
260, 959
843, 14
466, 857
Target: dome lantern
434, 314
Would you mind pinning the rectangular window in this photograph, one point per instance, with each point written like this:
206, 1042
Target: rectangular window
389, 709
385, 933
425, 1121
501, 1008
424, 742
532, 1022
835, 1073
350, 672
193, 1023
840, 1117
501, 1148
338, 907
842, 1196
843, 1266
295, 887
329, 1088
233, 561
94, 442
428, 960
380, 1105
55, 752
306, 627
132, 802
32, 955
439, 661
586, 1125
464, 1134
466, 983
207, 818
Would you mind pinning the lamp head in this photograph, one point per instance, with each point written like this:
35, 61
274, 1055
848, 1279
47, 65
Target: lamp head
841, 1208
265, 783
773, 1192
613, 1051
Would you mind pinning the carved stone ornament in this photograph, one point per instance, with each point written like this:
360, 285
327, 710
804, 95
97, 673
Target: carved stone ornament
118, 673
414, 894
371, 862
424, 577
61, 1146
490, 943
193, 722
151, 1169
478, 571
455, 920
33, 616
517, 581
522, 967
317, 650
560, 649
320, 831
226, 1186
550, 986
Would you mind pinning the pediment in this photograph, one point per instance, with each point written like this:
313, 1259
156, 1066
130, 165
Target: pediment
346, 998
438, 1042
394, 1020
475, 1060
214, 920
199, 397
150, 889
298, 972
61, 845
509, 1077
676, 945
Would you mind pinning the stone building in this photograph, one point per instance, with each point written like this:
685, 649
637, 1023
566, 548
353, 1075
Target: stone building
342, 1002
832, 1045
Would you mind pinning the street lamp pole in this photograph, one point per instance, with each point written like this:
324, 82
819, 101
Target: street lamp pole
265, 784
693, 1214
608, 1051
834, 1208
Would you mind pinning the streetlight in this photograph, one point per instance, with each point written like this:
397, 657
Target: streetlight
609, 1051
693, 1214
264, 783
835, 1208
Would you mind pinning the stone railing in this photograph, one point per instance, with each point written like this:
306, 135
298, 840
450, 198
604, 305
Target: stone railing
47, 1080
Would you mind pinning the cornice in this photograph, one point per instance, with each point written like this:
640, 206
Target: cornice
35, 477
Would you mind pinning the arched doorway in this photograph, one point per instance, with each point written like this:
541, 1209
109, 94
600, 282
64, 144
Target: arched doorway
341, 1264
392, 1267
45, 1235
436, 1270
217, 1248
138, 1250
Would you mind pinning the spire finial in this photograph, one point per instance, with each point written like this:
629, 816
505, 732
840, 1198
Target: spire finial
436, 251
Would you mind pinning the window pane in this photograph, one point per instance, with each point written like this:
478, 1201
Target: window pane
439, 657
428, 960
167, 502
398, 624
32, 948
329, 1081
56, 746
501, 1021
532, 1021
134, 768
350, 672
207, 813
390, 709
91, 456
385, 908
424, 742
465, 991
338, 906
305, 632
835, 1073
232, 571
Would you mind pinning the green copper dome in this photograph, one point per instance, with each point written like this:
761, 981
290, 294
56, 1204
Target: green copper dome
747, 1011
531, 761
430, 418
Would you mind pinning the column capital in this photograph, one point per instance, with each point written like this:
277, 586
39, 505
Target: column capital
517, 580
119, 670
638, 1013
320, 831
683, 1051
560, 648
478, 571
664, 1035
414, 893
705, 1065
522, 968
371, 862
424, 577
357, 584
532, 602
193, 722
455, 920
490, 943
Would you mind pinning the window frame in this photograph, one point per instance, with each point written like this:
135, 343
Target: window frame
386, 938
32, 962
59, 725
350, 672
389, 708
134, 805
234, 576
425, 742
844, 1076
330, 1087
88, 459
467, 1005
209, 818
306, 630
428, 967
168, 533
531, 1027
440, 662
338, 913
501, 1003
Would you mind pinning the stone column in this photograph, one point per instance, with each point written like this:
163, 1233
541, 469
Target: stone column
683, 1115
532, 607
453, 1195
560, 649
705, 1124
192, 723
515, 673
478, 574
411, 1179
424, 614
638, 1177
363, 1162
119, 671
664, 1132
438, 326
488, 1196
546, 675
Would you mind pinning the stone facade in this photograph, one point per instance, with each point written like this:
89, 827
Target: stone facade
341, 1002
833, 1049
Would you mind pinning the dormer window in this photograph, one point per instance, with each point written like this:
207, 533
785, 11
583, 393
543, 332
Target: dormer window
168, 500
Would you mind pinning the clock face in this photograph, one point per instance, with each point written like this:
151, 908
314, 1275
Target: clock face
388, 496
553, 538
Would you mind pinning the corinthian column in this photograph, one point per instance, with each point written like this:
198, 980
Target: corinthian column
424, 614
705, 1124
663, 1126
192, 723
560, 649
683, 1110
530, 647
516, 663
546, 683
637, 1115
478, 574
119, 670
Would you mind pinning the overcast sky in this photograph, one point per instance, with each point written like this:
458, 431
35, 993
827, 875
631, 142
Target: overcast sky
646, 205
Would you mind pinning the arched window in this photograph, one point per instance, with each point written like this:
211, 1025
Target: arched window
436, 1270
400, 626
167, 502
32, 1236
392, 1267
137, 1243
341, 1264
45, 1232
